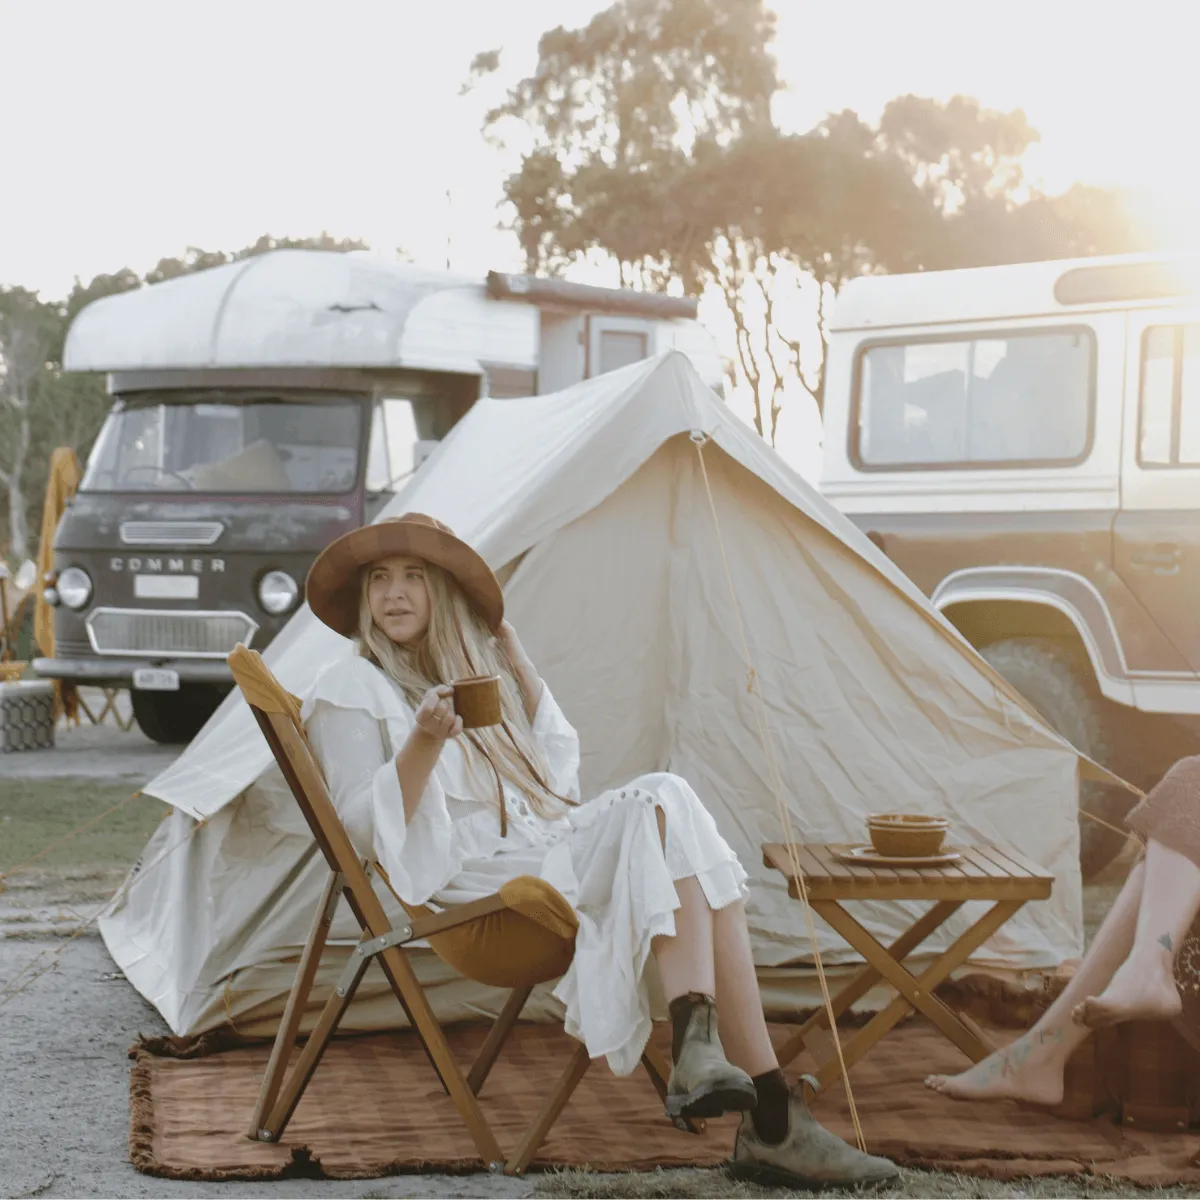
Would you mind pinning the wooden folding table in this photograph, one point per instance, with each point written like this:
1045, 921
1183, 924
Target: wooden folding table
980, 873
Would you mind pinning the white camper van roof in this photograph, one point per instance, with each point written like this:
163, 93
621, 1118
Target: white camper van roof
1020, 290
305, 308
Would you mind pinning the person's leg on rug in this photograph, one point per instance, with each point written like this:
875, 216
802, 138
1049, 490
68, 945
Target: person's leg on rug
703, 1083
748, 1040
779, 1141
1031, 1068
1143, 987
708, 965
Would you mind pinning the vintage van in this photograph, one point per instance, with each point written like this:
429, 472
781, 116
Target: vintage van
261, 409
1024, 442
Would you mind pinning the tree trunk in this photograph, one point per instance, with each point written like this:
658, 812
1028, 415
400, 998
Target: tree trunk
18, 522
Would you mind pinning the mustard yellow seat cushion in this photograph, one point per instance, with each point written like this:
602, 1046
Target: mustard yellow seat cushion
530, 940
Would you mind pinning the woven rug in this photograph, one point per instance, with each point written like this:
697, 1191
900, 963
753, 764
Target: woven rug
374, 1108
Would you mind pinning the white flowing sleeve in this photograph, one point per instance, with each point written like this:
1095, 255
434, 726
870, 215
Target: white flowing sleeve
352, 746
559, 744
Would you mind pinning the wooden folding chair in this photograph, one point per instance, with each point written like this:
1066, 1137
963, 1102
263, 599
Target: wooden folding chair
521, 936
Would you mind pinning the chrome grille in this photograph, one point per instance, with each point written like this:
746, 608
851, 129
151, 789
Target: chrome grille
153, 633
171, 533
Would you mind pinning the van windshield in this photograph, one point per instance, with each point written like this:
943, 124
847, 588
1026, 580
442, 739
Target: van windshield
251, 444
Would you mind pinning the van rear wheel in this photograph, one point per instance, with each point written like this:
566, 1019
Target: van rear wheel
1043, 672
174, 718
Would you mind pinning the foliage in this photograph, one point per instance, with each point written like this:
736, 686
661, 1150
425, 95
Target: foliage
42, 406
651, 145
610, 107
29, 333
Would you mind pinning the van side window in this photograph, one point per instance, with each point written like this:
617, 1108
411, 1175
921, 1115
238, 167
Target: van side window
1169, 429
1012, 399
392, 455
619, 348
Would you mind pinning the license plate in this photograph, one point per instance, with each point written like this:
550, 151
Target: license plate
166, 587
156, 679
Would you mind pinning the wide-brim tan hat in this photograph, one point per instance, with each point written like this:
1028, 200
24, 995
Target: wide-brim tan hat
334, 585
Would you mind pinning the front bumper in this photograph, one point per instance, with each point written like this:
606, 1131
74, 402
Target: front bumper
120, 670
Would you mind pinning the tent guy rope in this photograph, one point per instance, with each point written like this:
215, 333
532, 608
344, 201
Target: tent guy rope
700, 439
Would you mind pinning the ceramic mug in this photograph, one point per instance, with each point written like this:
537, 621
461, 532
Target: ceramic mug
477, 700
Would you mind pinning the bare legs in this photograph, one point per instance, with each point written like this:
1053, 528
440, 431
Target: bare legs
710, 953
1143, 987
743, 1023
1032, 1067
687, 962
1128, 974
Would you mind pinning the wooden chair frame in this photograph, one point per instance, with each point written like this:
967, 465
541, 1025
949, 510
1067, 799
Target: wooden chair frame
350, 877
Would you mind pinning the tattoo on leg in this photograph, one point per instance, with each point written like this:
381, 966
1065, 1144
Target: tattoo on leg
1166, 943
1017, 1054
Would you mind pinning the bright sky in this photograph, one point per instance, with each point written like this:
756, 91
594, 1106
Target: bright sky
134, 128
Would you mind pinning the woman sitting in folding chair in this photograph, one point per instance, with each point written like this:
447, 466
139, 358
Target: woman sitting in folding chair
452, 814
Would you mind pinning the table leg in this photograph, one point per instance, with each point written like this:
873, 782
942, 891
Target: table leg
862, 983
914, 992
901, 979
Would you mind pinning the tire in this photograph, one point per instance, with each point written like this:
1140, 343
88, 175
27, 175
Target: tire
174, 718
1042, 671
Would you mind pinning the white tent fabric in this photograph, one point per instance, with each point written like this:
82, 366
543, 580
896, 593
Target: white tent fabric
591, 505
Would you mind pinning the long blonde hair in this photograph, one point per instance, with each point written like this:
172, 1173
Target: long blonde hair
458, 645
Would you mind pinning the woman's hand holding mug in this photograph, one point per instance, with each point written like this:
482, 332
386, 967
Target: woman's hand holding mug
435, 715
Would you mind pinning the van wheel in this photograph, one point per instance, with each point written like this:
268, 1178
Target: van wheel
1042, 671
173, 718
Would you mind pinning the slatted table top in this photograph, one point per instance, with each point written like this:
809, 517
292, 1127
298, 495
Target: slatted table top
980, 873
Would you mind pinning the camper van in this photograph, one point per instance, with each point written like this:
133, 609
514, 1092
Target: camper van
1024, 442
263, 408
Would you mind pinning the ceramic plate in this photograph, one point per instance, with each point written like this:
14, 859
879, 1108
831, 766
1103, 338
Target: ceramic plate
866, 856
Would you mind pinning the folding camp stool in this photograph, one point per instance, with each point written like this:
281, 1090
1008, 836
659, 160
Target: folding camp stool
112, 697
517, 938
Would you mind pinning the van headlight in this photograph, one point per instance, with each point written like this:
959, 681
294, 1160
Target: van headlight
74, 587
277, 592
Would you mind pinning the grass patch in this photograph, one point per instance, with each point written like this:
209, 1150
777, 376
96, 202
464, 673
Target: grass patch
36, 812
684, 1182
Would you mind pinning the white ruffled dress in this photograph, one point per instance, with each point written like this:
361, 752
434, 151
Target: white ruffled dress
605, 857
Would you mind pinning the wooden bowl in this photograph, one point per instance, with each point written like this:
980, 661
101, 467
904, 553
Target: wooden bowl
907, 835
477, 700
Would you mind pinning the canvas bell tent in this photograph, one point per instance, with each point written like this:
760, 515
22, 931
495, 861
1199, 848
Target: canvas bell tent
638, 528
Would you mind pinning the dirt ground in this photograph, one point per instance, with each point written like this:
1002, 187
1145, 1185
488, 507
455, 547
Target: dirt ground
64, 1099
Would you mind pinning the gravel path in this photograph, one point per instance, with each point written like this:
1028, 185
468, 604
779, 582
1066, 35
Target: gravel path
64, 1102
92, 751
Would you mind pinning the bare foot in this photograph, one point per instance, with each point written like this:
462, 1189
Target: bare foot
1026, 1071
1141, 990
